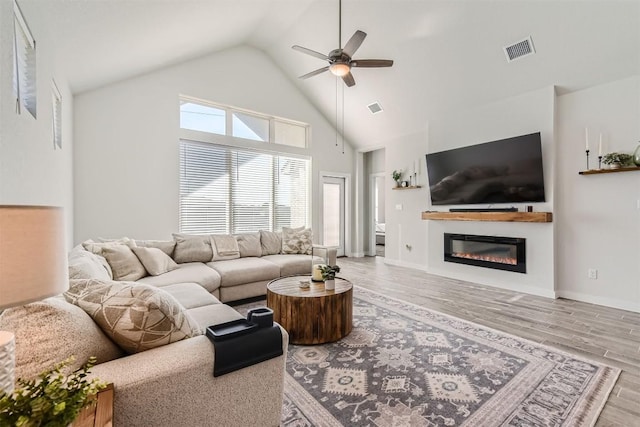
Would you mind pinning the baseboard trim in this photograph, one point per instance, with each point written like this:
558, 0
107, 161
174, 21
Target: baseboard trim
398, 263
607, 302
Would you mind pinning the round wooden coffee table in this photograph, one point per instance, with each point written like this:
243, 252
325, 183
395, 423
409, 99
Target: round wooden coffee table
313, 315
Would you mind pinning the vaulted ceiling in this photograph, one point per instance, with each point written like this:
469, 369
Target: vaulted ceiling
448, 54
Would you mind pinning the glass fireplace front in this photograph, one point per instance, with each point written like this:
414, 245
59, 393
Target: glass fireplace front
502, 253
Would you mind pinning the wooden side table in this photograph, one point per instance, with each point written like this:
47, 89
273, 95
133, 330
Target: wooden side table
100, 414
313, 315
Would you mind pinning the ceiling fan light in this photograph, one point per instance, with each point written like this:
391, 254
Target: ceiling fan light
339, 69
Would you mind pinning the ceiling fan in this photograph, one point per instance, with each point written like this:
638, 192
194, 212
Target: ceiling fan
341, 60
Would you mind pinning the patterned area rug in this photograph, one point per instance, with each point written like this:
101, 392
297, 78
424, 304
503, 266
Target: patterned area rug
404, 365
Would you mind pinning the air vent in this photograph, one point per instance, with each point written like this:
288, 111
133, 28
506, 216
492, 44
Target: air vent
519, 49
375, 108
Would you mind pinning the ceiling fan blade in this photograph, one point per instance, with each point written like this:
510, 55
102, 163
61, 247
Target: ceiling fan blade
310, 52
369, 63
354, 42
313, 73
348, 79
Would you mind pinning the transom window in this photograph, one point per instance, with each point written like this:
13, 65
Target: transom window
218, 119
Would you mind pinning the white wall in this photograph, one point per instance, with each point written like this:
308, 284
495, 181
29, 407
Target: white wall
32, 172
598, 216
406, 241
126, 151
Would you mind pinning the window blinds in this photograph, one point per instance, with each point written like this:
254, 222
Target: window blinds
228, 190
24, 64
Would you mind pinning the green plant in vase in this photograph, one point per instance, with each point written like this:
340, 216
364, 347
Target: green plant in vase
616, 160
54, 399
397, 176
329, 275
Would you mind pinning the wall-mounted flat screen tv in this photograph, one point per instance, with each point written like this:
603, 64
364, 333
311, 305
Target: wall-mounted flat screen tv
504, 171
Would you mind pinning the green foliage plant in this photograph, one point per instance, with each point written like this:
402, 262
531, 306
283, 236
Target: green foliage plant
54, 399
329, 271
396, 175
620, 158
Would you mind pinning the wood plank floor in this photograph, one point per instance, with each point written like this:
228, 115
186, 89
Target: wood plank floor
604, 334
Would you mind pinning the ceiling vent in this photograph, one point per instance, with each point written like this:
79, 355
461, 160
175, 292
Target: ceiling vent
375, 108
519, 49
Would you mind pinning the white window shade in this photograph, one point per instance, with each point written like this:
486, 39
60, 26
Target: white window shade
228, 190
24, 64
56, 99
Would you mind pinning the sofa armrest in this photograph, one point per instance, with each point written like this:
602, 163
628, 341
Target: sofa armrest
174, 385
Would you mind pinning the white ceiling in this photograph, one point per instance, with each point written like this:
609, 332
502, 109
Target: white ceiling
448, 54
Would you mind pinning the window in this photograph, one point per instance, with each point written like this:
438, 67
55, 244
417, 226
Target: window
24, 64
56, 98
217, 119
229, 190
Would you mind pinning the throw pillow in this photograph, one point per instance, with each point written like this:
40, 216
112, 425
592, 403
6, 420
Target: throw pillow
192, 248
270, 242
224, 247
249, 244
49, 331
135, 316
87, 265
97, 247
154, 260
125, 265
296, 240
166, 246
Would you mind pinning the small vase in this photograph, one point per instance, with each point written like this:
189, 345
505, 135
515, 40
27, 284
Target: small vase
636, 156
330, 284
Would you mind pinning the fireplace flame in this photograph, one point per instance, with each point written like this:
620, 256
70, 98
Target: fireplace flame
489, 258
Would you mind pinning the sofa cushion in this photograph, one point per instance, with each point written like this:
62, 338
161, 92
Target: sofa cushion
166, 246
49, 331
244, 270
137, 317
154, 260
192, 248
293, 264
191, 295
270, 242
224, 247
195, 272
249, 244
296, 240
96, 247
87, 265
125, 265
213, 315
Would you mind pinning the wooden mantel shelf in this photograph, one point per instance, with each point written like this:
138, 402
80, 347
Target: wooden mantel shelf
411, 187
489, 216
597, 171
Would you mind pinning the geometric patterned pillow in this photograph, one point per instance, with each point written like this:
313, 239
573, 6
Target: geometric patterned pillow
296, 240
135, 316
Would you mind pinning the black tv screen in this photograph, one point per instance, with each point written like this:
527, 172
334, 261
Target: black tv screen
504, 171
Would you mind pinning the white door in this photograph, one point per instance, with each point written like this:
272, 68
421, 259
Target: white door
333, 214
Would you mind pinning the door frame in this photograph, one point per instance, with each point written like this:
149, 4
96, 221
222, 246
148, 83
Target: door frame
347, 207
372, 213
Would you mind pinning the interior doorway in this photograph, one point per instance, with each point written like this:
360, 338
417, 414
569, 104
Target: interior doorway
333, 212
377, 210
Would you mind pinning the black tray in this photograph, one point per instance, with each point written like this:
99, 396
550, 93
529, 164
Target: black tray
232, 329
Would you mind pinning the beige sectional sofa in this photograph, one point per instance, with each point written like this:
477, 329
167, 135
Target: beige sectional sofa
169, 380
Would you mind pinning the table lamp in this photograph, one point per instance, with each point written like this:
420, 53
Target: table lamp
33, 266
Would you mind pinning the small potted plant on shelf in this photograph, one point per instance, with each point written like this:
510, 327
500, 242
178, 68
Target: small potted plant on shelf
616, 160
54, 399
397, 176
329, 275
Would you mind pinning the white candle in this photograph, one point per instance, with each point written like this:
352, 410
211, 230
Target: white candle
600, 145
415, 167
316, 275
586, 138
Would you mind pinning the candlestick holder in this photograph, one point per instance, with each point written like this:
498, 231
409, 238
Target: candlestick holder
599, 162
587, 151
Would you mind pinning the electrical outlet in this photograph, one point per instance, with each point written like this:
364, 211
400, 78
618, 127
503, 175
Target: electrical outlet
592, 273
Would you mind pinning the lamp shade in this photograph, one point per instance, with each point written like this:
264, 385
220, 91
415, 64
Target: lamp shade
33, 257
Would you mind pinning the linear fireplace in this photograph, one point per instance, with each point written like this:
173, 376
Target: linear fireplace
502, 253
